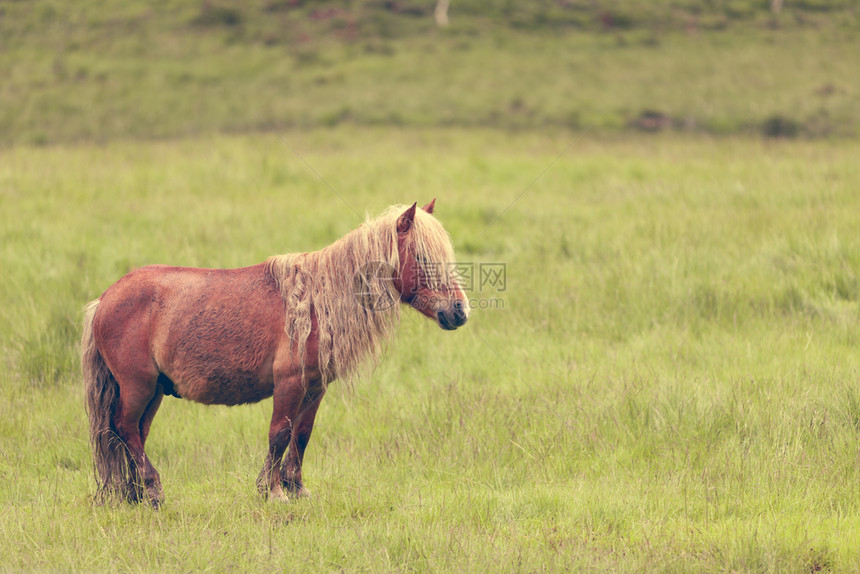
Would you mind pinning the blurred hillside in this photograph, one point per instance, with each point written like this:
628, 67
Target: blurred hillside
101, 70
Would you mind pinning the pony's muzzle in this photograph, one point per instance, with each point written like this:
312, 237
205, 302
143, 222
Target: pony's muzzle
453, 317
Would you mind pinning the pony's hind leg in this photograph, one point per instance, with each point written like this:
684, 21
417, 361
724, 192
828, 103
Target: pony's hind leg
287, 396
291, 472
137, 406
151, 478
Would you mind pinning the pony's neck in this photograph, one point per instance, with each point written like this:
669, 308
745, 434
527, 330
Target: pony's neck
352, 326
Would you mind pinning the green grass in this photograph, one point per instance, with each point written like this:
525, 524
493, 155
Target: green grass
671, 384
668, 383
103, 71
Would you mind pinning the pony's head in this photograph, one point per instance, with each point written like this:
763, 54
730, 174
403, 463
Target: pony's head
427, 278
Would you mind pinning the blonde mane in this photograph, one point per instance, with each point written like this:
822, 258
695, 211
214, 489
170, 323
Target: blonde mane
349, 287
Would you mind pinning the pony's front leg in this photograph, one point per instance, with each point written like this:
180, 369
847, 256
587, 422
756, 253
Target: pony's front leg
287, 400
291, 473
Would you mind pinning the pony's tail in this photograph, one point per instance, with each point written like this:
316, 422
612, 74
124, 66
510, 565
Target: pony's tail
115, 472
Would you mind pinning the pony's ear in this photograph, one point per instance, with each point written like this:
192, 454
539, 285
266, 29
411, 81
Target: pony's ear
404, 222
429, 207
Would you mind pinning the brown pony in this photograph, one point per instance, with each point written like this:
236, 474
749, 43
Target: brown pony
284, 329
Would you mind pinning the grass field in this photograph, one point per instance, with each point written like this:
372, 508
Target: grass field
109, 70
670, 385
667, 382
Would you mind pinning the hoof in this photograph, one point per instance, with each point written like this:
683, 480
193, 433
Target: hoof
301, 493
277, 495
296, 490
155, 496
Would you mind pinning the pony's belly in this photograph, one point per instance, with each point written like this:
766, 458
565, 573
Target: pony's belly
224, 388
